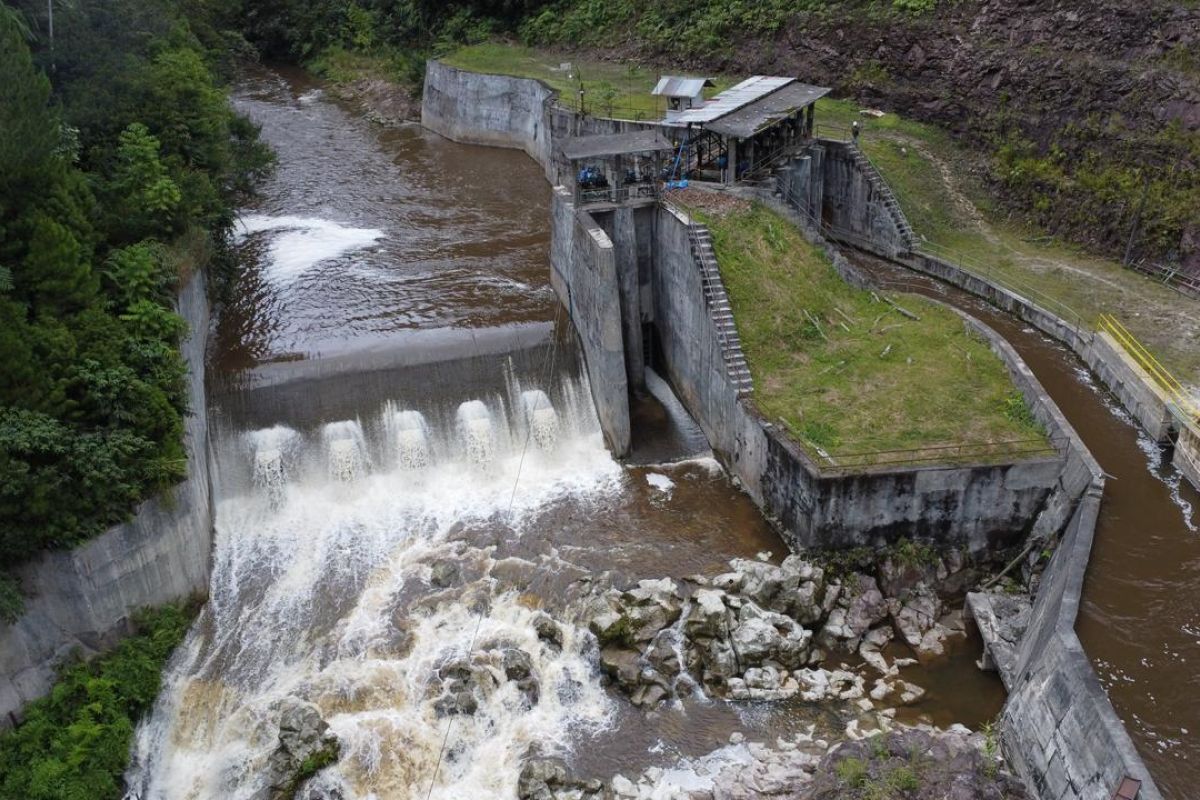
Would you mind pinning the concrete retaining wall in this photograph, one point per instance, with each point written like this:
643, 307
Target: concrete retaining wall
979, 507
504, 111
1060, 730
84, 598
1187, 454
584, 274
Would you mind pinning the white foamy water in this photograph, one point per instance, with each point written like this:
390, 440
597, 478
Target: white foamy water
300, 243
328, 596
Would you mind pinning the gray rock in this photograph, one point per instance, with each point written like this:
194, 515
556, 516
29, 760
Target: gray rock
303, 735
443, 573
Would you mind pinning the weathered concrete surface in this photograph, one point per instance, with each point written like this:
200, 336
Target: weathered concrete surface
504, 111
852, 198
492, 110
84, 598
1131, 385
584, 274
1060, 731
1187, 454
977, 507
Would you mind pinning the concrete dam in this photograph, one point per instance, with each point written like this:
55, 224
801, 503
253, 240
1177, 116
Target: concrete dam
631, 273
482, 504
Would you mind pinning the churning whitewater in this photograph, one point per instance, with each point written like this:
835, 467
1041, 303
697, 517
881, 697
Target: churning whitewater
354, 568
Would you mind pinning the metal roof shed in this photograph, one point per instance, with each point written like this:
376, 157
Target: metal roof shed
677, 86
615, 144
767, 110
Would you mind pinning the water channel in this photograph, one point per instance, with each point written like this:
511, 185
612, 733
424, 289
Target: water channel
408, 467
1140, 616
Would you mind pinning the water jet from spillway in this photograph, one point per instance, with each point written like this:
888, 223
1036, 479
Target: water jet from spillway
345, 449
540, 417
476, 430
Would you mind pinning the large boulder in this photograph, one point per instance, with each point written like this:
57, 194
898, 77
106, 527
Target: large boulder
305, 745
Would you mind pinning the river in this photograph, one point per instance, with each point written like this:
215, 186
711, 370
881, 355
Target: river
408, 468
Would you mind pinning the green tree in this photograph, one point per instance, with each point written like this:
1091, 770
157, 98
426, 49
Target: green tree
140, 198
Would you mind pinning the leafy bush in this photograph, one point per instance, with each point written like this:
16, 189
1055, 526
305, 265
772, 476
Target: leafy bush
74, 743
12, 602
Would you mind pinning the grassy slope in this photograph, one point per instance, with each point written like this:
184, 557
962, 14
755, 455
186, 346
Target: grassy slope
930, 175
869, 378
632, 84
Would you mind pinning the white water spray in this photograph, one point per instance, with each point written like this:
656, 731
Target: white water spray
326, 597
541, 418
475, 429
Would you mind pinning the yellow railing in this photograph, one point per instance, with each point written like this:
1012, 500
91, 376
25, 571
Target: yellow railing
1175, 391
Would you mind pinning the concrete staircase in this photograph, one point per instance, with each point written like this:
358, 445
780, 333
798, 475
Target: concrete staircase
719, 309
885, 193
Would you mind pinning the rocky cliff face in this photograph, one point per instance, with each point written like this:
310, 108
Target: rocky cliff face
1103, 96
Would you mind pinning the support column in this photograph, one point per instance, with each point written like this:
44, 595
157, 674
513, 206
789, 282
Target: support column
625, 248
731, 170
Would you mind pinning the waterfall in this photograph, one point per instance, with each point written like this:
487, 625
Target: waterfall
345, 450
342, 600
541, 418
408, 433
475, 429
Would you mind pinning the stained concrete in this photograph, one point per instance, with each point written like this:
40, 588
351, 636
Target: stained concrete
84, 598
1059, 729
584, 275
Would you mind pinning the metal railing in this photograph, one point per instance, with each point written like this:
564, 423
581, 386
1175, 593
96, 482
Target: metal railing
960, 453
1167, 383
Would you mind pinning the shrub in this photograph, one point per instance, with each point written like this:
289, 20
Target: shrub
74, 743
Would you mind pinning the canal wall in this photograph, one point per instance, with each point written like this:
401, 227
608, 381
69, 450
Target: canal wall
84, 599
1060, 730
503, 111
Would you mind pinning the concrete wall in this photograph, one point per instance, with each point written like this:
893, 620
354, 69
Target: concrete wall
1187, 454
584, 275
853, 198
494, 110
978, 507
503, 111
84, 598
1060, 731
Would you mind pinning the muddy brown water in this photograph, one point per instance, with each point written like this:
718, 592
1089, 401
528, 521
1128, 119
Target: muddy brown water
1139, 619
387, 249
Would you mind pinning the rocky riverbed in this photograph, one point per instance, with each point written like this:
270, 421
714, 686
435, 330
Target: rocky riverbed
759, 632
762, 631
918, 763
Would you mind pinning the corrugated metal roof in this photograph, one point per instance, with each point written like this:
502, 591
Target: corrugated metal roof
732, 99
767, 110
647, 141
676, 86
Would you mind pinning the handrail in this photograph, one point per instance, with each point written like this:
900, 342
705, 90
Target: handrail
841, 460
1176, 392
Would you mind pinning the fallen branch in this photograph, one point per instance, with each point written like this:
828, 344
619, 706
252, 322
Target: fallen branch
817, 324
902, 310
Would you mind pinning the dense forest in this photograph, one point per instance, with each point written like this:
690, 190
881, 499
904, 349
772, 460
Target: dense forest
120, 164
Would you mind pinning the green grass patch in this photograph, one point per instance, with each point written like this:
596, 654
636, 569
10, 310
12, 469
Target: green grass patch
74, 743
933, 179
610, 88
841, 368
